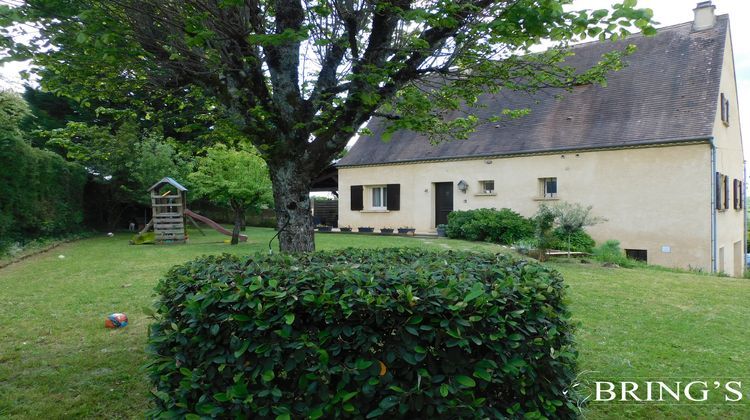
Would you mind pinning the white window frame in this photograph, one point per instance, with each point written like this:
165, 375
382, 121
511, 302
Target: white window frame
543, 187
382, 192
483, 188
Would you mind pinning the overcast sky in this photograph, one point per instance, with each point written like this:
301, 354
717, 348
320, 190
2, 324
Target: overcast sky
666, 12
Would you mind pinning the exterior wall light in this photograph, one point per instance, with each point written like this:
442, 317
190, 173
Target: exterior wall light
463, 186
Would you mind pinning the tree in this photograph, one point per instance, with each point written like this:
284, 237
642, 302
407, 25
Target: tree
235, 178
122, 160
13, 110
570, 217
50, 112
154, 158
298, 78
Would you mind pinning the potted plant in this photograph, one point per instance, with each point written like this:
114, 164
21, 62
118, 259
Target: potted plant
365, 229
324, 228
345, 228
441, 230
386, 231
406, 230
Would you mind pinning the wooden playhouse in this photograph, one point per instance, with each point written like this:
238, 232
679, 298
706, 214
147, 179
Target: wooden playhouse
168, 201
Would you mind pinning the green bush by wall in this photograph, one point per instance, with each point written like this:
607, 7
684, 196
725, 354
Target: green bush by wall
40, 193
580, 241
361, 333
502, 226
507, 227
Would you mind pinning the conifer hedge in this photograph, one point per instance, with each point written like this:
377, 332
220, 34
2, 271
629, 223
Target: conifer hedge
40, 193
362, 334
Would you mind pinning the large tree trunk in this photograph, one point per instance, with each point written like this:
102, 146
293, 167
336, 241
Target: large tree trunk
238, 216
291, 194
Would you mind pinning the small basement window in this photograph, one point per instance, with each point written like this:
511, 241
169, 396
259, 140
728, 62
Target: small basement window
487, 187
637, 254
548, 187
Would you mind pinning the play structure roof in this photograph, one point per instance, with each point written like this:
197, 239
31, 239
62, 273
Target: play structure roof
167, 180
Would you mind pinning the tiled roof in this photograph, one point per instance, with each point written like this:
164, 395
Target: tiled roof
667, 92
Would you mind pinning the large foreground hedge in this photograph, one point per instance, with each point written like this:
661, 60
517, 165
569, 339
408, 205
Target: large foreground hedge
40, 193
362, 333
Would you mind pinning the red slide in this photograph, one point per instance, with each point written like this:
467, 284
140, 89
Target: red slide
215, 226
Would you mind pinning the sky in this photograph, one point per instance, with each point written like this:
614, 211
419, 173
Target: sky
666, 12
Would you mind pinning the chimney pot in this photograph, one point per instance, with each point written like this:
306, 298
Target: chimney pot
705, 18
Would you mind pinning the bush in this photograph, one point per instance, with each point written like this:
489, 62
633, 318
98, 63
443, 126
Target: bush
354, 333
610, 252
499, 226
580, 241
42, 194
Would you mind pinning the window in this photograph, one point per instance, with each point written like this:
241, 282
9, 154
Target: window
487, 187
724, 109
376, 197
722, 191
379, 197
726, 192
738, 195
548, 187
637, 254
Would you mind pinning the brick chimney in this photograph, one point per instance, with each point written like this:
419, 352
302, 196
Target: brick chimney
705, 18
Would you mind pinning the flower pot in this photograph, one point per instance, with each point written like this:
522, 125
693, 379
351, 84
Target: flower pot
324, 228
386, 231
365, 229
406, 231
345, 229
441, 232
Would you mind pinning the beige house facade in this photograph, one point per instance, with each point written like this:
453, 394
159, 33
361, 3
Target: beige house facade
658, 155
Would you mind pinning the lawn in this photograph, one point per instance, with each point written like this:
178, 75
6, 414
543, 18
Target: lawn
57, 360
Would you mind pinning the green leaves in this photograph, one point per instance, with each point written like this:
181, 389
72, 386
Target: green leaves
466, 381
476, 291
357, 333
268, 376
444, 390
239, 352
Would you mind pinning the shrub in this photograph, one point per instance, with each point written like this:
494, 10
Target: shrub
355, 333
543, 231
41, 194
569, 219
610, 252
499, 226
580, 241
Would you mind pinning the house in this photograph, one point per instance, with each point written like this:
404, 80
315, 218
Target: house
657, 152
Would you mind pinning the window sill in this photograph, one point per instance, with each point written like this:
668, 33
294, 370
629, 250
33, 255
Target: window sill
546, 198
485, 194
375, 211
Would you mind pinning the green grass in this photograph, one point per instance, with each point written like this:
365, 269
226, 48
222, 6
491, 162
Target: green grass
58, 361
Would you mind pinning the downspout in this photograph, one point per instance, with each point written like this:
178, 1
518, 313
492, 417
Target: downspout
713, 205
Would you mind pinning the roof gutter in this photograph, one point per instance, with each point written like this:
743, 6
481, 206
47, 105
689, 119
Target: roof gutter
548, 151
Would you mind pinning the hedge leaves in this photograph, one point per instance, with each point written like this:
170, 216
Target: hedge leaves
362, 334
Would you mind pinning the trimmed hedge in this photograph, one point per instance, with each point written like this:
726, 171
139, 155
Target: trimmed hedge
40, 193
362, 333
502, 226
